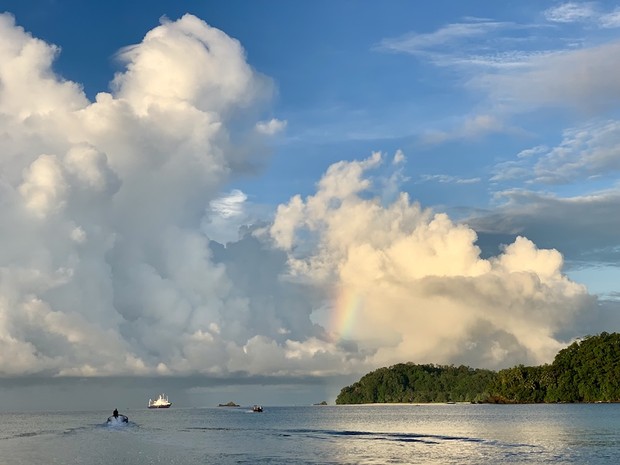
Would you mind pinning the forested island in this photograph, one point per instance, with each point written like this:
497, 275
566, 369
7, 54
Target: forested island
229, 404
586, 371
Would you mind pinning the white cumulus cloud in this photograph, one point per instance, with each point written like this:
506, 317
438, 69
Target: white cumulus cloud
422, 291
104, 268
107, 266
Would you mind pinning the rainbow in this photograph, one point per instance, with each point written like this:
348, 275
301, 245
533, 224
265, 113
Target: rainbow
348, 305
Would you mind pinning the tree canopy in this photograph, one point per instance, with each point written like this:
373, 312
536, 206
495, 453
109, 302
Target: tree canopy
588, 370
407, 382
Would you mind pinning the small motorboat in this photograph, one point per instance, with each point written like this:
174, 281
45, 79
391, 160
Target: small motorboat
117, 418
257, 408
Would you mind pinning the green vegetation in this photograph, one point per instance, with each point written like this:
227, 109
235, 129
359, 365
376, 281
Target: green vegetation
407, 382
586, 371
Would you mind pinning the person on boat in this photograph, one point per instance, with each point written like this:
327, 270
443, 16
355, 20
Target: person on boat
117, 417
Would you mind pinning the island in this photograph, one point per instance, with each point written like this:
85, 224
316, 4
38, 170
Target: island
588, 370
228, 404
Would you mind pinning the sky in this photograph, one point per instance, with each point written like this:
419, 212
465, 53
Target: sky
263, 201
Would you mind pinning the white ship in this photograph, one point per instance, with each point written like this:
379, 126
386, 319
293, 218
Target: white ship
160, 402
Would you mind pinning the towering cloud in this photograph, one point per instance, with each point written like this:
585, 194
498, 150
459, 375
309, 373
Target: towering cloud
411, 285
105, 268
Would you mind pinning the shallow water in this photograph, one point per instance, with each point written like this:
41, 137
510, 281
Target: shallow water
370, 434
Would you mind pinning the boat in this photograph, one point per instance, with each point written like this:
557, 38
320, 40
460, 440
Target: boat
160, 402
117, 418
257, 408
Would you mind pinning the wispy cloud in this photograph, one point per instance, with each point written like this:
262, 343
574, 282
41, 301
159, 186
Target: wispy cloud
583, 12
229, 205
582, 79
445, 37
447, 179
611, 20
585, 152
519, 67
470, 127
478, 43
571, 12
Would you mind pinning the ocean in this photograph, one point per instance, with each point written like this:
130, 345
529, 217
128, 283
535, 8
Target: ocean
328, 435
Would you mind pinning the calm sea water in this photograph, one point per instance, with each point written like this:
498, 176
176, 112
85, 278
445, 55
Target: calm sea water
371, 434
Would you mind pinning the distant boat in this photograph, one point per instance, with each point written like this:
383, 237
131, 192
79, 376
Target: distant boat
257, 408
160, 402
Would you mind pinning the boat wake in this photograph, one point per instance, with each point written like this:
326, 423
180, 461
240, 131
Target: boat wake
118, 422
386, 436
27, 434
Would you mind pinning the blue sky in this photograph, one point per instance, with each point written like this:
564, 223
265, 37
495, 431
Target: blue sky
326, 168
